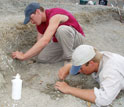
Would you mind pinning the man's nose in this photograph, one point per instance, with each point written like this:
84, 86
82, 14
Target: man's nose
32, 21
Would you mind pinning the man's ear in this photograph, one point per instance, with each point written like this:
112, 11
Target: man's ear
38, 11
91, 62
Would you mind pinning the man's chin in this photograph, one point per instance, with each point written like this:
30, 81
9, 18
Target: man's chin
37, 24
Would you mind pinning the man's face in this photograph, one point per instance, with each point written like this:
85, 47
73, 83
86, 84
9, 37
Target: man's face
35, 18
88, 68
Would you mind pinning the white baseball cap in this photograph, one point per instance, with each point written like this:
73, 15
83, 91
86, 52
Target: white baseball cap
81, 55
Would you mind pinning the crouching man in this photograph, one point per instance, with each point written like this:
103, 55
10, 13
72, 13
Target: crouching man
107, 68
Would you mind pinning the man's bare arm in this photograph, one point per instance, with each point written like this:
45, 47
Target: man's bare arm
42, 42
39, 36
64, 71
85, 94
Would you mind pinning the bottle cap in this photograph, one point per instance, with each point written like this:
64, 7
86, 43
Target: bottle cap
17, 76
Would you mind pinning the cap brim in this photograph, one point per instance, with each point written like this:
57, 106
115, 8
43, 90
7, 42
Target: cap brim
74, 69
27, 19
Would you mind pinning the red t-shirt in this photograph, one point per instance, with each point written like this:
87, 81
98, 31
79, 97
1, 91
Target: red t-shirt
70, 22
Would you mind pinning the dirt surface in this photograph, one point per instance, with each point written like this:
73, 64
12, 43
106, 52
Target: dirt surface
102, 28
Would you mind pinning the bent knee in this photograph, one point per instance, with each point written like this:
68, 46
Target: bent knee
64, 29
42, 59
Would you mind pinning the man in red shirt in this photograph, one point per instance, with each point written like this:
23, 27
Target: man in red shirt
59, 34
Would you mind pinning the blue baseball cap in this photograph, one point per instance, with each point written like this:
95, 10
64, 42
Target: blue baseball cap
81, 55
31, 8
74, 69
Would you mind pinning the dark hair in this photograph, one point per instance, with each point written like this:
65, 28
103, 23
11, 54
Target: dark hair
87, 63
42, 9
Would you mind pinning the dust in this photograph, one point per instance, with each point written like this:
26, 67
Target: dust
52, 92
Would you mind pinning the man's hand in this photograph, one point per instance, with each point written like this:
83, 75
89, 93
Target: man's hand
18, 55
63, 87
63, 72
85, 94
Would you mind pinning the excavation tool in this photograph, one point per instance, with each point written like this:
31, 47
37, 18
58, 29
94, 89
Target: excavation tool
119, 12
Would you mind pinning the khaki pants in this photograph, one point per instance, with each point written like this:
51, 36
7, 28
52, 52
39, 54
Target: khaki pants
68, 39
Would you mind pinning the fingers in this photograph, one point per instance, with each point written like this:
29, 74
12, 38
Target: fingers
14, 55
60, 75
63, 87
58, 84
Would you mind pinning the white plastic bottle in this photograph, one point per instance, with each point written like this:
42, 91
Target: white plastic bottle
16, 87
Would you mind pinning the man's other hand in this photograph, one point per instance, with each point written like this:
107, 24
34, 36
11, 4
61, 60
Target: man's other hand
18, 55
63, 87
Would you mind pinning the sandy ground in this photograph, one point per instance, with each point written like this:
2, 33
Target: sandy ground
102, 28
